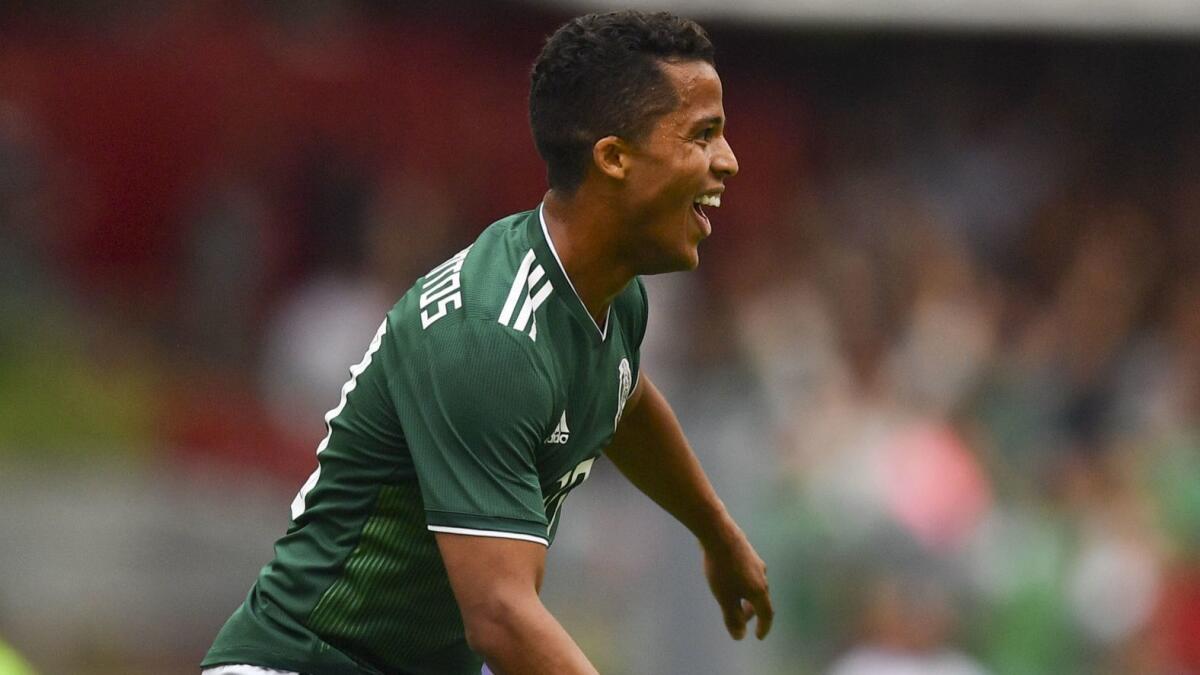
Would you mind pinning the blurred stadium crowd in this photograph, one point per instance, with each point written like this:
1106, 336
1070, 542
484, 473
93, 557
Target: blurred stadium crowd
942, 356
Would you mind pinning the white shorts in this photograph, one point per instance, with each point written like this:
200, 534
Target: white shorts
244, 670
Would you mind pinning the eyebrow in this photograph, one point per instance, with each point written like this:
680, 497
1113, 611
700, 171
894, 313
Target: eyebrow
707, 122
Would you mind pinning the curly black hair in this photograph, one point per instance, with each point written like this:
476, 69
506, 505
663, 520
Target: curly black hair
599, 75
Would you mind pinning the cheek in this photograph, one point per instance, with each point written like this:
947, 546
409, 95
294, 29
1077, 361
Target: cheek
697, 163
688, 169
673, 180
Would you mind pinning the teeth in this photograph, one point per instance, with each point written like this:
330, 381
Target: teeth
709, 200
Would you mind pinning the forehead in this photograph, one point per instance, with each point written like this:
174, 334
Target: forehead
698, 88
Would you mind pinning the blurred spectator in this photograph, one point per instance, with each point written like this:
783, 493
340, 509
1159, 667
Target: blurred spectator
907, 625
372, 243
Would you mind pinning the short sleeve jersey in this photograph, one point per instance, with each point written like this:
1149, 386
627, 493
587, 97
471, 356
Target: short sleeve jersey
483, 399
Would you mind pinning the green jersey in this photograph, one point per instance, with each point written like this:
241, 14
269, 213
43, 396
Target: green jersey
482, 400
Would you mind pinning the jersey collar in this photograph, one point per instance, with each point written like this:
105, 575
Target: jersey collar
558, 276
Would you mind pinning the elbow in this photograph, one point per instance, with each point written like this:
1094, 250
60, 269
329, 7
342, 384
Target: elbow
484, 637
491, 625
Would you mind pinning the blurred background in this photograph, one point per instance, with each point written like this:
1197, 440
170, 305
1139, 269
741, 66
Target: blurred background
941, 358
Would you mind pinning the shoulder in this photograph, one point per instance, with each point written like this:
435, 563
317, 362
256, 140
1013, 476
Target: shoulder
480, 340
470, 283
499, 261
474, 366
474, 311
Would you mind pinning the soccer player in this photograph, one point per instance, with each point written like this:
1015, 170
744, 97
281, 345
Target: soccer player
418, 544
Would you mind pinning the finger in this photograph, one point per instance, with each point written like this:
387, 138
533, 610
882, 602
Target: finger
766, 614
735, 619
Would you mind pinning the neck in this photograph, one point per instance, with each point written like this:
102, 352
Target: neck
582, 227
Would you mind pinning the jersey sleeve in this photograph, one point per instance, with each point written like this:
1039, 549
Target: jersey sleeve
474, 403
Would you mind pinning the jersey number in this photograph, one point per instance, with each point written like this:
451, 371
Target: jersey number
570, 480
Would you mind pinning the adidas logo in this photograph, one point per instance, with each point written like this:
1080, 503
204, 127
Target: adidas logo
561, 433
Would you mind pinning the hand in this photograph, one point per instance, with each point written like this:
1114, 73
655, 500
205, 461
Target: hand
738, 579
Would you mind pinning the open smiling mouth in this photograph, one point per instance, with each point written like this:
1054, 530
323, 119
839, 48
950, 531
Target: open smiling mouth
698, 204
706, 200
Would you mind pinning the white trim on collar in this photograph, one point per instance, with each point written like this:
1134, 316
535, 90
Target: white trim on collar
550, 242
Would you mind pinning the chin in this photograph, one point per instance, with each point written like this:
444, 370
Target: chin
681, 261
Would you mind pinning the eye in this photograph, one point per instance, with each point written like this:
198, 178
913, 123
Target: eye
707, 134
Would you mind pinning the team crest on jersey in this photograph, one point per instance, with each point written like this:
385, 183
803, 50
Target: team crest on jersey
561, 433
625, 380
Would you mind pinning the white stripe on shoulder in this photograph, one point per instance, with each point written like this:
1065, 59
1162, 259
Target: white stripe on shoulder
489, 533
514, 293
535, 275
531, 305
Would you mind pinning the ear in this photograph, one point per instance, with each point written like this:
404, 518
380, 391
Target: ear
611, 156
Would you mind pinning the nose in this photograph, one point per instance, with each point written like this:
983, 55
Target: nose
724, 162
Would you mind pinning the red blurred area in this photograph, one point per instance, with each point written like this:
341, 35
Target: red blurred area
145, 114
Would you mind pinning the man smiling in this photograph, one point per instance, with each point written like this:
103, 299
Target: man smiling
490, 389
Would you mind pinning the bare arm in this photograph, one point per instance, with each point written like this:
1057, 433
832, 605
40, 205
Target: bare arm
649, 448
495, 582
